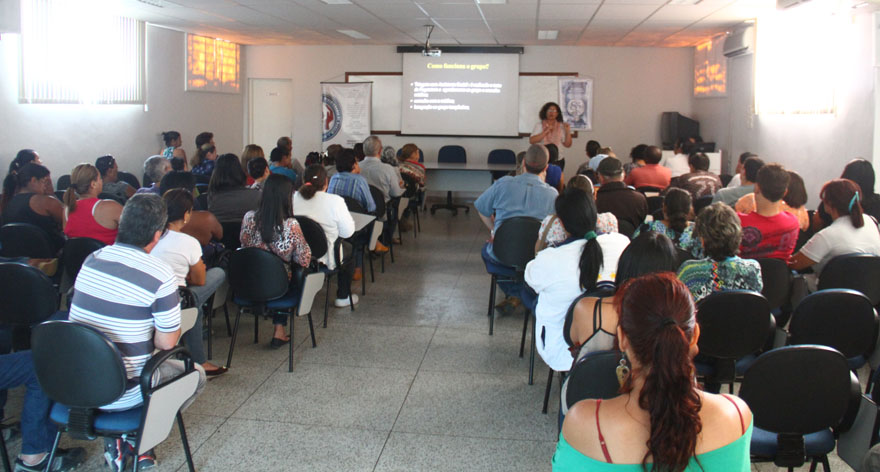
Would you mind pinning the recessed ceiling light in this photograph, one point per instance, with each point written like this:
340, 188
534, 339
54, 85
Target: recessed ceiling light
337, 2
491, 2
683, 2
548, 34
354, 34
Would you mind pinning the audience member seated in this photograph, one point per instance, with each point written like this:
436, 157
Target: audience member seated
183, 254
508, 197
202, 225
205, 137
637, 154
699, 182
379, 174
228, 197
794, 201
861, 172
173, 143
652, 174
559, 274
280, 162
251, 151
389, 156
285, 142
736, 180
554, 177
272, 227
769, 231
333, 152
748, 174
109, 170
594, 318
852, 231
179, 164
85, 215
155, 167
10, 182
410, 165
553, 234
204, 161
131, 296
258, 172
34, 202
349, 183
677, 210
679, 163
592, 150
718, 228
329, 211
37, 431
661, 420
613, 196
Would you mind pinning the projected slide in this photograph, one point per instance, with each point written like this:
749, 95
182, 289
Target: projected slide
460, 94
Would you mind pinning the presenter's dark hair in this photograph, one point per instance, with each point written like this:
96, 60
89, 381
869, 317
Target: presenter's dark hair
543, 113
577, 212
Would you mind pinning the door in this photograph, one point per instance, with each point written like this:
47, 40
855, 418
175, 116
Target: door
270, 113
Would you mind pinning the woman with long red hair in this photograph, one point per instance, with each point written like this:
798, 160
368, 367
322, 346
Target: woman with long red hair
661, 421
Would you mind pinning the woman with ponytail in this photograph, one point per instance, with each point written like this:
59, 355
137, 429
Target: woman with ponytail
559, 274
25, 156
86, 215
677, 211
34, 202
851, 231
173, 143
329, 211
661, 421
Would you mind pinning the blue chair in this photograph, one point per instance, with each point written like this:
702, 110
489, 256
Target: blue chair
797, 394
80, 369
501, 156
451, 154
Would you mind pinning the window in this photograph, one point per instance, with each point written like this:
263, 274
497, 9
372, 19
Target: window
212, 65
797, 60
74, 54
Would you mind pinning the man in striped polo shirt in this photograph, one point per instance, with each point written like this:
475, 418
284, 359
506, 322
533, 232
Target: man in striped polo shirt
131, 297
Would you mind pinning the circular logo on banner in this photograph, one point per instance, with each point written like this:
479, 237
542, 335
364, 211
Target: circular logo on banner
332, 117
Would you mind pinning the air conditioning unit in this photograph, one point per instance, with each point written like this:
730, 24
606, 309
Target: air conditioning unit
740, 41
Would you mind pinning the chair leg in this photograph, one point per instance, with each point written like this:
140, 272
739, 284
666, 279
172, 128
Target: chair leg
390, 251
228, 326
383, 261
326, 301
51, 454
522, 343
185, 442
372, 274
4, 455
492, 306
232, 341
312, 331
257, 314
547, 391
813, 465
210, 312
290, 355
532, 362
363, 277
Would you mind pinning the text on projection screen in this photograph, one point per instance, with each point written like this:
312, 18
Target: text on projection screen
460, 94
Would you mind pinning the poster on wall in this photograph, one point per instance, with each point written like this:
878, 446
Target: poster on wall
576, 100
710, 68
345, 117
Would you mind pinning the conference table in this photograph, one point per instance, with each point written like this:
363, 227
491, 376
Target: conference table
460, 177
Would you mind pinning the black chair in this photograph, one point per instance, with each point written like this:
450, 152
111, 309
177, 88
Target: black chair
202, 188
25, 240
501, 156
513, 246
797, 394
702, 202
777, 288
649, 189
231, 235
860, 272
451, 154
201, 202
381, 214
655, 206
76, 250
593, 376
734, 325
355, 207
62, 183
80, 369
625, 228
839, 318
415, 198
129, 178
317, 241
259, 282
29, 298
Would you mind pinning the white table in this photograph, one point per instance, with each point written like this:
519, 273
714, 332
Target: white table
361, 220
467, 177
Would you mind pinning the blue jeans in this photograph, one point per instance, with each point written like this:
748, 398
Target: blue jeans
37, 431
511, 289
194, 337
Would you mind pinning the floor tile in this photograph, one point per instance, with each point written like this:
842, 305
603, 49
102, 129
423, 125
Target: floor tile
393, 347
457, 350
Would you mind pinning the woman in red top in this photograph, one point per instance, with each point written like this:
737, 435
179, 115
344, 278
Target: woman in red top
85, 215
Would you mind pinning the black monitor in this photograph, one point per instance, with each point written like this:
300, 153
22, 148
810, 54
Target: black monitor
674, 125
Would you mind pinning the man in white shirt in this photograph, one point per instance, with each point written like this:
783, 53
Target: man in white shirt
736, 181
677, 164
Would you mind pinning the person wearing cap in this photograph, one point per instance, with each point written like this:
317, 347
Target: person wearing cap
615, 197
652, 174
109, 170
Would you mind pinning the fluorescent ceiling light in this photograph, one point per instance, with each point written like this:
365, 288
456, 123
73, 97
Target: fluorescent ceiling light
337, 2
548, 34
683, 2
155, 3
491, 2
354, 34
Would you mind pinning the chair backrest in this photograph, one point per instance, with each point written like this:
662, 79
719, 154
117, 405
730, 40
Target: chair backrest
112, 196
77, 365
701, 203
257, 275
130, 179
733, 324
231, 235
625, 228
75, 252
777, 281
201, 202
412, 186
593, 376
452, 154
649, 190
354, 206
315, 236
514, 241
379, 198
859, 272
501, 156
655, 204
799, 389
402, 204
839, 318
28, 296
62, 183
25, 240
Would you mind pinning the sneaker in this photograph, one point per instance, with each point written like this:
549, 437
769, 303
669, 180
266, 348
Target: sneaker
147, 460
381, 248
344, 302
115, 453
65, 459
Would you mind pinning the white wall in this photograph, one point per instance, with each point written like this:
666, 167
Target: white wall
632, 87
65, 135
817, 147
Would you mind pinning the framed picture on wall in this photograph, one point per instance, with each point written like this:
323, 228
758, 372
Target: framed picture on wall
576, 100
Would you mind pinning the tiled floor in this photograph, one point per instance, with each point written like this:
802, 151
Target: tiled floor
409, 381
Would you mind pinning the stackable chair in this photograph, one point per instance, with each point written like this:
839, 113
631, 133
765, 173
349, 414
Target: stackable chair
76, 250
859, 272
592, 377
451, 154
777, 279
381, 216
80, 369
317, 241
25, 240
702, 202
231, 235
130, 179
501, 156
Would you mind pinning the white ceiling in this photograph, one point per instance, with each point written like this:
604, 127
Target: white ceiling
457, 22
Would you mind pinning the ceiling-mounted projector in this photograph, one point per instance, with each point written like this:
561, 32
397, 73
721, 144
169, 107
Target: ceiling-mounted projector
427, 50
432, 52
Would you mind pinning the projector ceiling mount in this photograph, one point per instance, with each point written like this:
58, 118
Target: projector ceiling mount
428, 50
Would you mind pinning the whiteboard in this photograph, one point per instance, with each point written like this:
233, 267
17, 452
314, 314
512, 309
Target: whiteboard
534, 92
